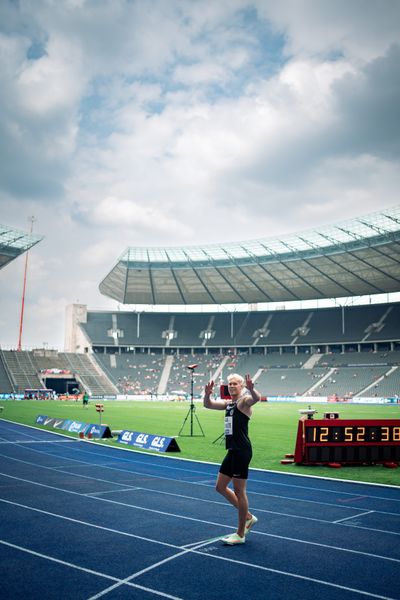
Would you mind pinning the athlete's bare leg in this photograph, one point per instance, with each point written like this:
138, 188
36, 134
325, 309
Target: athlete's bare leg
237, 497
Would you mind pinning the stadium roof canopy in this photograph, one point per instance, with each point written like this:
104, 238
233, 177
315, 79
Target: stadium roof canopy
14, 242
353, 258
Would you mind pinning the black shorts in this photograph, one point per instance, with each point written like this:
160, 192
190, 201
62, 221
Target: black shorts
236, 463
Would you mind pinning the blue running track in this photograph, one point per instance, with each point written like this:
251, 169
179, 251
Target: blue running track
84, 521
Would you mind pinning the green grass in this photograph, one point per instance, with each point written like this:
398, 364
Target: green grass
273, 430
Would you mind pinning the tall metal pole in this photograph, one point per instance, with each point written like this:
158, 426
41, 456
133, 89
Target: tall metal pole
21, 319
191, 402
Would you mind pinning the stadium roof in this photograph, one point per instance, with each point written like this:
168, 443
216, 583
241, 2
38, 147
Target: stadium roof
14, 242
353, 258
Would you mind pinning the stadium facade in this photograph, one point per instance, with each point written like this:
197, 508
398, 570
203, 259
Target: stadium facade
353, 258
14, 242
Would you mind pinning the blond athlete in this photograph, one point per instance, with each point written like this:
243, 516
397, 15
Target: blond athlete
235, 466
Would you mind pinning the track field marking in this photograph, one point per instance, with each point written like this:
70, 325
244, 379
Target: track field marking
203, 521
212, 556
171, 467
85, 570
94, 494
155, 477
191, 483
352, 499
149, 568
368, 512
202, 542
256, 509
25, 442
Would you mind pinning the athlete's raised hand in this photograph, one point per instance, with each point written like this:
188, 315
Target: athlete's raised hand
209, 388
249, 383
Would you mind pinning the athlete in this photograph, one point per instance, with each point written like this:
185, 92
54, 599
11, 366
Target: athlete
235, 466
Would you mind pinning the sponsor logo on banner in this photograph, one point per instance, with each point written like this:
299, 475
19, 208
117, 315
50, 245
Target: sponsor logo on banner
148, 441
95, 430
49, 421
126, 437
100, 431
77, 426
158, 442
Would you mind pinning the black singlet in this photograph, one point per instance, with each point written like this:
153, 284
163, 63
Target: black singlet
236, 429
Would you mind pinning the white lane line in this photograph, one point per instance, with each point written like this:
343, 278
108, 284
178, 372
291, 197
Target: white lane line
271, 535
368, 512
197, 551
202, 542
158, 477
146, 570
199, 499
25, 442
19, 426
174, 468
85, 570
94, 494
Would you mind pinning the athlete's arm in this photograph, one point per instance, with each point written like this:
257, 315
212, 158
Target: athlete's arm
209, 402
254, 395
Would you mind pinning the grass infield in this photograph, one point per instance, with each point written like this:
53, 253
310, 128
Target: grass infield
272, 430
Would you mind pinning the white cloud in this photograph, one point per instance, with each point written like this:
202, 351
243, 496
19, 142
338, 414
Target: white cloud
116, 212
361, 29
170, 123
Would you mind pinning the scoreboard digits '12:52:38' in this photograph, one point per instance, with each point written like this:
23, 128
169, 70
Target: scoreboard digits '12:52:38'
353, 433
324, 441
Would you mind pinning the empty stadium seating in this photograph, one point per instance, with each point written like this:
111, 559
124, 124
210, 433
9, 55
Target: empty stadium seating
352, 351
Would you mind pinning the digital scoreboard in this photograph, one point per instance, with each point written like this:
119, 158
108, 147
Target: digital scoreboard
324, 441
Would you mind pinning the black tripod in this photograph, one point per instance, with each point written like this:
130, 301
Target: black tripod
192, 409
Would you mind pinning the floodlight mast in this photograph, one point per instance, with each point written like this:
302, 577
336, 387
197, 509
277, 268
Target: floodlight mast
192, 408
21, 319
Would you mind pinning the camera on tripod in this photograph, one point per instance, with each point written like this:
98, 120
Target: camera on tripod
192, 409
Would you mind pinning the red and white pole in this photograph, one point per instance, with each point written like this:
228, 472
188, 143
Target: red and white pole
21, 319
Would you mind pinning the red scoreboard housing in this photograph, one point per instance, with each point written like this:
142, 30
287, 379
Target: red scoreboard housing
368, 441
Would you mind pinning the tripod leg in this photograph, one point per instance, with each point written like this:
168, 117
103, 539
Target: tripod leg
199, 424
184, 422
192, 408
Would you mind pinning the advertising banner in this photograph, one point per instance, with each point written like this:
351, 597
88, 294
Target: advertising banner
148, 441
98, 431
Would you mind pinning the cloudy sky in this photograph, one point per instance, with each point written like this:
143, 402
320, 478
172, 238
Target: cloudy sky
178, 122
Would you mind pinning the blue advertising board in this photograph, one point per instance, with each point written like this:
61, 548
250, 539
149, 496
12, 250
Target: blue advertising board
148, 441
48, 421
99, 431
76, 426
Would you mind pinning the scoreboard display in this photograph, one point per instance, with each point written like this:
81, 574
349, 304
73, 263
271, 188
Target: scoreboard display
324, 441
